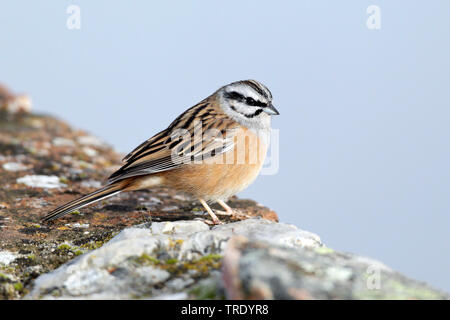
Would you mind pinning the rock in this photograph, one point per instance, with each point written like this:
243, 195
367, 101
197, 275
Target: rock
259, 270
174, 255
7, 257
63, 142
41, 181
14, 166
89, 140
250, 259
90, 152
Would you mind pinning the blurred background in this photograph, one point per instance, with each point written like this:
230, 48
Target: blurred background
365, 113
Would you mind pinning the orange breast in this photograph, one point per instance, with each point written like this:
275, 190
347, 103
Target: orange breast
224, 175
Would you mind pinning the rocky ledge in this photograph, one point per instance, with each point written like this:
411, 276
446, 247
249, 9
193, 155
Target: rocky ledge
153, 244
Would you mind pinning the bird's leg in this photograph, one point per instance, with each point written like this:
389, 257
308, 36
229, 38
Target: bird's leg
227, 208
214, 218
236, 213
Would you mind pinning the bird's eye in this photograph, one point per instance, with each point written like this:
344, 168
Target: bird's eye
250, 101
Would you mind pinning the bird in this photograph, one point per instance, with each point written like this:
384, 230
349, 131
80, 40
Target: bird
212, 151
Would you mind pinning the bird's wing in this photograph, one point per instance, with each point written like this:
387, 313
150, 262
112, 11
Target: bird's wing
186, 139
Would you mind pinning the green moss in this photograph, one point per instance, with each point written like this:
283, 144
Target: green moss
203, 265
146, 259
76, 212
64, 246
93, 245
175, 243
83, 164
211, 257
83, 175
63, 180
3, 276
18, 286
68, 248
171, 261
206, 292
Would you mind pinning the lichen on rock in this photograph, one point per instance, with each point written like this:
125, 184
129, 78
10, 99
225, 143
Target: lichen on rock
163, 257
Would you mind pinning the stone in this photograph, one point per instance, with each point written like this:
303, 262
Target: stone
89, 140
63, 142
90, 151
14, 166
176, 243
7, 257
259, 270
41, 181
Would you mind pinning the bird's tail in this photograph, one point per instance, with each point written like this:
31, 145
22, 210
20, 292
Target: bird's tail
97, 195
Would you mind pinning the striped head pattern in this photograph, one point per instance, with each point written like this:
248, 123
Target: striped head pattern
248, 102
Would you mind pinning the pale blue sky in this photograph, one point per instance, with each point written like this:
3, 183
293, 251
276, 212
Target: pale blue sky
364, 124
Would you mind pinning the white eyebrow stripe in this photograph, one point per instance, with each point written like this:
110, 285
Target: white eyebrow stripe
246, 91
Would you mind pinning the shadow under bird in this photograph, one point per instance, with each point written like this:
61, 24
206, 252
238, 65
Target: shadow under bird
212, 151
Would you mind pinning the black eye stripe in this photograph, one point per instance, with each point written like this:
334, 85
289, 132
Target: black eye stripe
234, 96
249, 101
255, 103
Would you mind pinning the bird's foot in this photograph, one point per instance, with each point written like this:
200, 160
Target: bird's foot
213, 222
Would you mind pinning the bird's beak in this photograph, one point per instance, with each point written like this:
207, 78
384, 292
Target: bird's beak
270, 109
